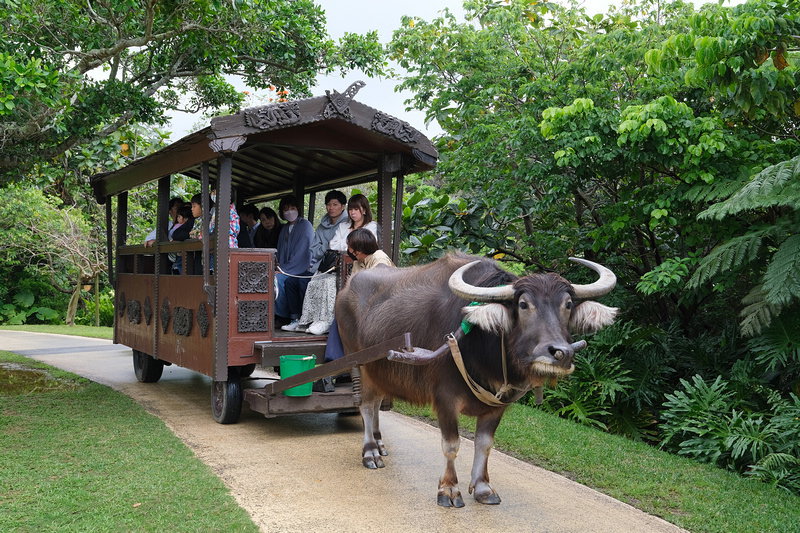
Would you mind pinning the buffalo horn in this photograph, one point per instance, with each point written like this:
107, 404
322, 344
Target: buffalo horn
471, 293
602, 286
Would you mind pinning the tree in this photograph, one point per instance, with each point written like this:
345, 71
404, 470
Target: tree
749, 55
73, 72
629, 137
55, 242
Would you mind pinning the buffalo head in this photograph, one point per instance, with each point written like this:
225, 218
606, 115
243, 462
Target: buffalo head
536, 314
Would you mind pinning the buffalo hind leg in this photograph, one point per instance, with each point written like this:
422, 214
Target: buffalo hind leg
373, 447
449, 495
479, 486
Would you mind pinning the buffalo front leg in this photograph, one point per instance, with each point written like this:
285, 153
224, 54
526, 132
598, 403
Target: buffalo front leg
449, 495
373, 447
479, 485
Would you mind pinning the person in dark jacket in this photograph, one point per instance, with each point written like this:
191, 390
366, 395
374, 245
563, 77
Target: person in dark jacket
180, 232
268, 230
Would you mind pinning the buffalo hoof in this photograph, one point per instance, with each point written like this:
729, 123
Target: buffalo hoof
484, 493
449, 497
382, 449
372, 462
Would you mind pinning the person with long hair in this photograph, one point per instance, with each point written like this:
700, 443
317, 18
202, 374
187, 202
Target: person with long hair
320, 295
268, 230
360, 217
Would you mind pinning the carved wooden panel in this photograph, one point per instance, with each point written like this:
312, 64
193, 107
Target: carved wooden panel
203, 320
182, 323
134, 310
253, 316
254, 277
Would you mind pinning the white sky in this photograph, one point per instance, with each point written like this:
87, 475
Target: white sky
361, 16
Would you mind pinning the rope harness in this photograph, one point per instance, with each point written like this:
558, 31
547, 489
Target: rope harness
303, 277
495, 400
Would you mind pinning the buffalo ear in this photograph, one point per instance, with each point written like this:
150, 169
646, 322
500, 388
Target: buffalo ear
589, 317
492, 318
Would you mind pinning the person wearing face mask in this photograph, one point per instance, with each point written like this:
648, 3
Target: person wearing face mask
297, 288
294, 254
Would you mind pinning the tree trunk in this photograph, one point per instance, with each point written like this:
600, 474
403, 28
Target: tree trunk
72, 308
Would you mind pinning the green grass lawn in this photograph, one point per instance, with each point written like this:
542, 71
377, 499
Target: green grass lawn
78, 456
125, 457
82, 331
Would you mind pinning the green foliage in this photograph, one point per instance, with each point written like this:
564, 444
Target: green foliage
709, 423
772, 196
616, 382
87, 317
436, 223
21, 309
119, 63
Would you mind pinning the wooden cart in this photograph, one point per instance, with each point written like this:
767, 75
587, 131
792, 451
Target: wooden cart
220, 323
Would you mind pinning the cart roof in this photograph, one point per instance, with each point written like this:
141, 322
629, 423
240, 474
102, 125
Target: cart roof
320, 143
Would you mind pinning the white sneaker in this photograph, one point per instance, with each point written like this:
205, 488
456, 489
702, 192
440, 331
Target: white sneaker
291, 326
319, 328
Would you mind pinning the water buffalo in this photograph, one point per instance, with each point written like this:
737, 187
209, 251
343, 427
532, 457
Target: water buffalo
519, 338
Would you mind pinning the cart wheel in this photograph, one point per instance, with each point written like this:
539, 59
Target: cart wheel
247, 370
148, 369
226, 398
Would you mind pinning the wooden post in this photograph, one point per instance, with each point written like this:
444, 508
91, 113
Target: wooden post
97, 300
398, 218
222, 266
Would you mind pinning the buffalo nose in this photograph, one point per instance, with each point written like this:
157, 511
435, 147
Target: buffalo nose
562, 354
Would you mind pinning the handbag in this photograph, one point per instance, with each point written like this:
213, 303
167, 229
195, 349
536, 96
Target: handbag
329, 261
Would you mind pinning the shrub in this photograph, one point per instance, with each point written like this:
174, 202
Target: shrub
21, 309
87, 317
709, 423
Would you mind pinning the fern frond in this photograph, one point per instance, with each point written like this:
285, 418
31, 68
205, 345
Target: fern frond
735, 252
775, 186
757, 314
778, 346
718, 190
782, 277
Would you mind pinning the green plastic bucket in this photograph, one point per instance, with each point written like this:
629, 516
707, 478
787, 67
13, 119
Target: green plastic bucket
295, 364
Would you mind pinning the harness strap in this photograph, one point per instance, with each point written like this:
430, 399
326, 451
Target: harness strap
482, 394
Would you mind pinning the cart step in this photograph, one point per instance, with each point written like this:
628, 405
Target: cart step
272, 405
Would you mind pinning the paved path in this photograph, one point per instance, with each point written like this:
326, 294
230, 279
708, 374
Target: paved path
304, 473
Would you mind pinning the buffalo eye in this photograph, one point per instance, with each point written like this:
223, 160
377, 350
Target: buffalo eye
568, 305
523, 305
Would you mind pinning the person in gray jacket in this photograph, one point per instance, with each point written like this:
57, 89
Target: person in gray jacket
295, 287
336, 207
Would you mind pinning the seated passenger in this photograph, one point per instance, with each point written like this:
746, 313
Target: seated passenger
180, 232
174, 204
248, 217
233, 222
360, 216
197, 213
335, 202
294, 253
363, 249
320, 294
268, 230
